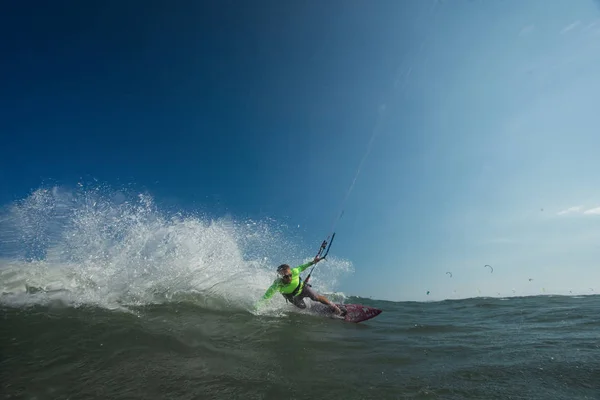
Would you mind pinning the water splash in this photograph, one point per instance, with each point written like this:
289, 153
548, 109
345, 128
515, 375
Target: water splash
116, 248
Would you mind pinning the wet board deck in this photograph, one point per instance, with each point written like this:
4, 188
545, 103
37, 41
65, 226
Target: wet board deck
358, 313
352, 312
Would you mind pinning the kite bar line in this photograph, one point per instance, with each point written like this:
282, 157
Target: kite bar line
376, 130
359, 168
326, 245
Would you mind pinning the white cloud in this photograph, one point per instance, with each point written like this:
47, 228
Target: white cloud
580, 210
570, 210
570, 27
526, 30
593, 211
501, 240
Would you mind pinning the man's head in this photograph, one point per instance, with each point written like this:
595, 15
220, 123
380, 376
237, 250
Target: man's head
285, 272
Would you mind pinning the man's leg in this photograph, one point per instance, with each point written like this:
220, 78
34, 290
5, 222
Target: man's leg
311, 294
299, 302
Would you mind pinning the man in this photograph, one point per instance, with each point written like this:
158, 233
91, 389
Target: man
291, 286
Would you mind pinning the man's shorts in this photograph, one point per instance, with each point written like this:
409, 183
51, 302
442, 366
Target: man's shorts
306, 292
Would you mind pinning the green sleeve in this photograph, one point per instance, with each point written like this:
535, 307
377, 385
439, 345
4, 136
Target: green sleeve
271, 291
302, 267
268, 294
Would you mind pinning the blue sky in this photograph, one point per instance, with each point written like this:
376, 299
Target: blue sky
486, 123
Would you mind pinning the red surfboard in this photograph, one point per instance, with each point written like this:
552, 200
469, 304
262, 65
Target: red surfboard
350, 312
358, 313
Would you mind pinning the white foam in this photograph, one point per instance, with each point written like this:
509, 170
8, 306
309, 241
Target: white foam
107, 248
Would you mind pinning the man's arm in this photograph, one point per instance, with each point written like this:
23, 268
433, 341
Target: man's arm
302, 267
268, 294
271, 291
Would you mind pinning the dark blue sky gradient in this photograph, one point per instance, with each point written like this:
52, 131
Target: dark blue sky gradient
257, 109
222, 99
264, 109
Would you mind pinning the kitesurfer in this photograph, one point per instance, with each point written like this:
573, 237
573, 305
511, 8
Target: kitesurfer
294, 289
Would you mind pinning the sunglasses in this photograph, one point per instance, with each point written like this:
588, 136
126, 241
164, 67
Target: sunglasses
286, 276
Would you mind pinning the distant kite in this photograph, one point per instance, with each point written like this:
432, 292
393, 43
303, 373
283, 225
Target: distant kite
449, 273
530, 279
491, 269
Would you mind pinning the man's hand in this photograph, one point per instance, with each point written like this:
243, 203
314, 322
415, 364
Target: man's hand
317, 259
259, 305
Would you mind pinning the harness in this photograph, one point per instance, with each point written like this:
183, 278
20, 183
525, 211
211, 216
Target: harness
289, 297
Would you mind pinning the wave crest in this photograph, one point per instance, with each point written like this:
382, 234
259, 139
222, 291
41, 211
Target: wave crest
114, 248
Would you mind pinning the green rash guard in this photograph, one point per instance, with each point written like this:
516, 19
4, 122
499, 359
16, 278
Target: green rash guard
279, 286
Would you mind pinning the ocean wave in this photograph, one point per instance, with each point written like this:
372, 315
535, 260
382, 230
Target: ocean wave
118, 249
